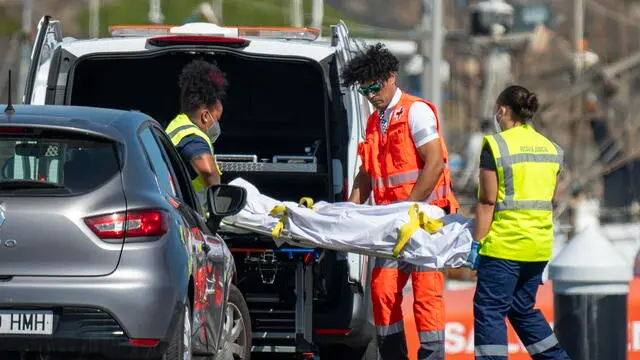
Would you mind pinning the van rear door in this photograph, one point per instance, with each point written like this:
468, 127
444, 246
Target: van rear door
48, 38
356, 127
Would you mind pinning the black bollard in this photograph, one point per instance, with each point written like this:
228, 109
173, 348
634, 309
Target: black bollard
591, 286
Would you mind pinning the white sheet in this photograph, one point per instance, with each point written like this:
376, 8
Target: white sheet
365, 229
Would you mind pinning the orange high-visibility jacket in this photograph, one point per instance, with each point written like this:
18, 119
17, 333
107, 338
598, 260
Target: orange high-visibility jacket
393, 162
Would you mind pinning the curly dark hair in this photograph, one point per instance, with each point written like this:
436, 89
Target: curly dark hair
201, 83
376, 62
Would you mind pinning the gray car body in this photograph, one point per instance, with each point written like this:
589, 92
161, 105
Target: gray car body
142, 285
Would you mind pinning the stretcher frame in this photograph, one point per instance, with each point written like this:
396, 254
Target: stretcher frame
303, 335
305, 348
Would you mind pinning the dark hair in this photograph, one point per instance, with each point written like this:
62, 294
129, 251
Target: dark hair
522, 102
376, 62
201, 83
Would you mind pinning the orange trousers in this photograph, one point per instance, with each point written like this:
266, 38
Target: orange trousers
388, 280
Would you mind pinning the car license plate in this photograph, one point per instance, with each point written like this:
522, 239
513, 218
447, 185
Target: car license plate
26, 322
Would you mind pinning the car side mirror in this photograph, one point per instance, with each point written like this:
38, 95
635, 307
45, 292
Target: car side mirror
223, 201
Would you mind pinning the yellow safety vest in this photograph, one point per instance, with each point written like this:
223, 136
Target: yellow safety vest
527, 164
179, 128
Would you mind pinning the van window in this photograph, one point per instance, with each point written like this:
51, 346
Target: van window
46, 163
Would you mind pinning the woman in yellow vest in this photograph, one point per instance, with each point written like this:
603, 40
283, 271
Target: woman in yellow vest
193, 131
514, 226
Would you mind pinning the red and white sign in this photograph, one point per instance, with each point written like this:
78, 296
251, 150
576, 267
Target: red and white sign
459, 326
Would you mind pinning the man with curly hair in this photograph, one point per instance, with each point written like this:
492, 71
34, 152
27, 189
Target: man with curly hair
404, 158
196, 128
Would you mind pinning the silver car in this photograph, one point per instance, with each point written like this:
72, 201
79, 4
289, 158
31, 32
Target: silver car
103, 248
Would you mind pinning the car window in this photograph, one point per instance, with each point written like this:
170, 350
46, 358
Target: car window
57, 158
179, 170
165, 179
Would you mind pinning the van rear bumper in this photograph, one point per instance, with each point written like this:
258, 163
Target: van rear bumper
349, 324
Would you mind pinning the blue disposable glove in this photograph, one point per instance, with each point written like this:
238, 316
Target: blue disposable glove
472, 260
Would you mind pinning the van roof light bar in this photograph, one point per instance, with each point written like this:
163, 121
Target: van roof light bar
287, 33
139, 30
208, 29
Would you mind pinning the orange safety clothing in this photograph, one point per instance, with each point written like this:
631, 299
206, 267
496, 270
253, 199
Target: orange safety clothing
393, 162
389, 278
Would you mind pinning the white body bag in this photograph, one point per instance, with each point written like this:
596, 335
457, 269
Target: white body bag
431, 238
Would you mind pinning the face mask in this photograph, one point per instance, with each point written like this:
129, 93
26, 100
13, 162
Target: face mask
214, 131
496, 123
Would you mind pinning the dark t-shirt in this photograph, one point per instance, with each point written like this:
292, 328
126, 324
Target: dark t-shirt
486, 159
190, 147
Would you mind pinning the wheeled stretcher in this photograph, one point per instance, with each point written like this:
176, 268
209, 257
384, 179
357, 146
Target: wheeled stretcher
419, 234
422, 235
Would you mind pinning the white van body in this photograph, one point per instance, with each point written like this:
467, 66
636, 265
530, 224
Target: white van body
284, 100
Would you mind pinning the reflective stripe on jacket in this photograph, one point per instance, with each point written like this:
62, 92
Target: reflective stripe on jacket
178, 129
527, 164
393, 162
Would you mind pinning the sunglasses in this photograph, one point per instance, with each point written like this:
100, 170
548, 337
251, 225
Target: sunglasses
371, 89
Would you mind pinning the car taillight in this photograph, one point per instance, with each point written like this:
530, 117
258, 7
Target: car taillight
198, 40
133, 223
